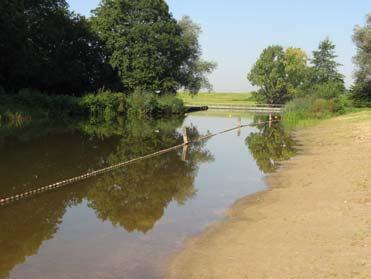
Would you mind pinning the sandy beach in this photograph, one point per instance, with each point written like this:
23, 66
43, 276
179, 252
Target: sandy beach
314, 221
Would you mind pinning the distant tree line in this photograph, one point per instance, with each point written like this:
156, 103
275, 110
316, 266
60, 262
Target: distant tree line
282, 74
126, 45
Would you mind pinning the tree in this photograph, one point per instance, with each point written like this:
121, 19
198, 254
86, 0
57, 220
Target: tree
325, 67
194, 69
44, 46
143, 41
269, 74
278, 73
362, 88
296, 69
150, 50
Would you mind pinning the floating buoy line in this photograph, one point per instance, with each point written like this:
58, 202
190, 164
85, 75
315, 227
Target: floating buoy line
60, 184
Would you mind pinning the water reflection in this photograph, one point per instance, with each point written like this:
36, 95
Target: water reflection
270, 145
125, 223
133, 198
25, 226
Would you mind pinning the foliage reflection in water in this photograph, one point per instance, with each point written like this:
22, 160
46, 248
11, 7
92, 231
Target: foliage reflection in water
134, 197
128, 221
270, 145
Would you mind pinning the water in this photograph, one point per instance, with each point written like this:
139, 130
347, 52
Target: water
127, 223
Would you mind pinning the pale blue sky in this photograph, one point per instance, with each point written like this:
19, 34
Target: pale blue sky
236, 31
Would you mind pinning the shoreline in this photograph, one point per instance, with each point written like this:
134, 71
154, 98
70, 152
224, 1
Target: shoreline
312, 221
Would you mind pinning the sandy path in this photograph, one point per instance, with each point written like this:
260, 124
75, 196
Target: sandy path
314, 222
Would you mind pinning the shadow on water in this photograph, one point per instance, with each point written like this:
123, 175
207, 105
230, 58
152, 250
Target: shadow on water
133, 198
270, 145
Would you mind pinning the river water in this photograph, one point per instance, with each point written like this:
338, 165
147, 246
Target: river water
126, 223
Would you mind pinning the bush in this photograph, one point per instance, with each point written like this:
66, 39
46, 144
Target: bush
148, 104
53, 105
170, 104
307, 109
104, 105
361, 94
327, 90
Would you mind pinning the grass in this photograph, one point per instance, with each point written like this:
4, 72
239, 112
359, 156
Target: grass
301, 113
217, 99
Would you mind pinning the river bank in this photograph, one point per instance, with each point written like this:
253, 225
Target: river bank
313, 222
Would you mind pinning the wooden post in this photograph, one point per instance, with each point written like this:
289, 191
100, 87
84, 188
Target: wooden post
184, 153
270, 120
239, 126
185, 136
186, 142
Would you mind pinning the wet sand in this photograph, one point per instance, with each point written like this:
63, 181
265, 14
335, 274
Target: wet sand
313, 222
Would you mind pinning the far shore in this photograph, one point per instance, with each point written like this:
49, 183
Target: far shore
314, 221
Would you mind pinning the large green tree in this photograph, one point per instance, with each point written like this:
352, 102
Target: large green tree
278, 73
150, 50
362, 86
325, 67
143, 41
44, 46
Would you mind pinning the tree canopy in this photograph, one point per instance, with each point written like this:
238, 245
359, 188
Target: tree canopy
44, 46
278, 73
362, 60
150, 50
282, 74
126, 45
325, 67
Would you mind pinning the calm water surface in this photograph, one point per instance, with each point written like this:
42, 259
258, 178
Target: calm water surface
127, 223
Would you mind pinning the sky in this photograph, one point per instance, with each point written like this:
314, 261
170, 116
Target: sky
236, 31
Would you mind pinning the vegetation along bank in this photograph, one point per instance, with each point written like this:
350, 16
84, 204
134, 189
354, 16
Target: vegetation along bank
50, 56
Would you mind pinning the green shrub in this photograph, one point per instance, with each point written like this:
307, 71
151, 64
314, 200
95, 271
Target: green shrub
306, 110
361, 94
170, 104
53, 105
321, 108
327, 90
104, 105
148, 104
142, 103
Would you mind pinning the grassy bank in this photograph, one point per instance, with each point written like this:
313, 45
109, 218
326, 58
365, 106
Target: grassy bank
308, 111
104, 106
217, 98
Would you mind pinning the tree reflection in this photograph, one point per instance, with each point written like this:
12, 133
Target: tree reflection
135, 197
24, 226
270, 145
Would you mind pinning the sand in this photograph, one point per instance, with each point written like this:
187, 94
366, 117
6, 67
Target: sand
313, 222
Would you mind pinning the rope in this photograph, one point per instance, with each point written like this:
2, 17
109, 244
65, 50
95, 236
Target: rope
50, 187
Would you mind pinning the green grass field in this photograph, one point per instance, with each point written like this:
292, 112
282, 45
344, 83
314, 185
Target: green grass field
217, 98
